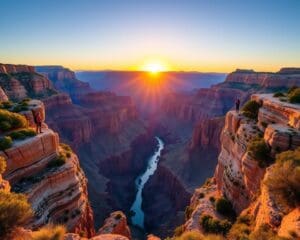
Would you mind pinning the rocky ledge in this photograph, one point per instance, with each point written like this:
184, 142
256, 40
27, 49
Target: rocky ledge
49, 174
241, 176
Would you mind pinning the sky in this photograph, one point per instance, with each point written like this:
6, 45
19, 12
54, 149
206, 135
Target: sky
183, 35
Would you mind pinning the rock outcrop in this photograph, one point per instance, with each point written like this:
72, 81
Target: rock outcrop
20, 81
64, 80
239, 175
51, 177
116, 224
286, 77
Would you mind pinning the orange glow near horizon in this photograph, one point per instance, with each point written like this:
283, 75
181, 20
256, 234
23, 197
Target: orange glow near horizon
154, 67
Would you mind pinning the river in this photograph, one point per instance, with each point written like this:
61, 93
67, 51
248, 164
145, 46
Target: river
136, 208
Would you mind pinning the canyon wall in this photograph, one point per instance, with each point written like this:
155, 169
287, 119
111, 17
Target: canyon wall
104, 129
20, 81
240, 175
56, 191
64, 80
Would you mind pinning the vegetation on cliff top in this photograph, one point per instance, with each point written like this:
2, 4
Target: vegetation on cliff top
11, 121
49, 232
259, 150
283, 179
14, 211
250, 109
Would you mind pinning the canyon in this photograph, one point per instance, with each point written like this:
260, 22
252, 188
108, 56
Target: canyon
113, 138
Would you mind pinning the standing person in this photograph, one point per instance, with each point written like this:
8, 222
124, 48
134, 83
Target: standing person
38, 121
237, 105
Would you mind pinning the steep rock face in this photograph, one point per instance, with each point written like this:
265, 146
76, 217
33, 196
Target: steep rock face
20, 81
57, 192
238, 175
112, 143
3, 96
163, 198
206, 133
64, 80
286, 77
116, 224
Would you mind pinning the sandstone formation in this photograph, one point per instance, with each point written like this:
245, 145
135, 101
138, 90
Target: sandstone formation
116, 224
20, 81
64, 80
238, 175
104, 129
57, 191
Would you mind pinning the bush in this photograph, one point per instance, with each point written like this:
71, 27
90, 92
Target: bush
14, 211
57, 162
2, 164
241, 228
294, 96
22, 134
5, 143
212, 225
6, 104
10, 121
250, 109
224, 207
291, 89
49, 232
259, 150
283, 179
66, 147
278, 94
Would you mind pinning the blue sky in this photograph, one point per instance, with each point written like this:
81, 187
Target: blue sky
210, 35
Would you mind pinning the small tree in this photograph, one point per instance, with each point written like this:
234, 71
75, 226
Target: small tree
250, 109
259, 150
14, 211
283, 179
294, 96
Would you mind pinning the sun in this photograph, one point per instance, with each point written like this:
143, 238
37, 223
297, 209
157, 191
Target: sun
154, 67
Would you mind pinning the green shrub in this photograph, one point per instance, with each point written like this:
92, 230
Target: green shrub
5, 143
10, 121
57, 162
22, 134
241, 228
250, 109
283, 179
66, 147
294, 96
224, 207
14, 212
6, 104
278, 94
2, 164
291, 89
259, 150
49, 232
212, 225
20, 108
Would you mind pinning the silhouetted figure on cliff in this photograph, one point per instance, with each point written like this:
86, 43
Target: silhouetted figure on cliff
237, 105
38, 121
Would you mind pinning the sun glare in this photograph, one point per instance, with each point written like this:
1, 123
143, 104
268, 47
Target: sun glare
154, 67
